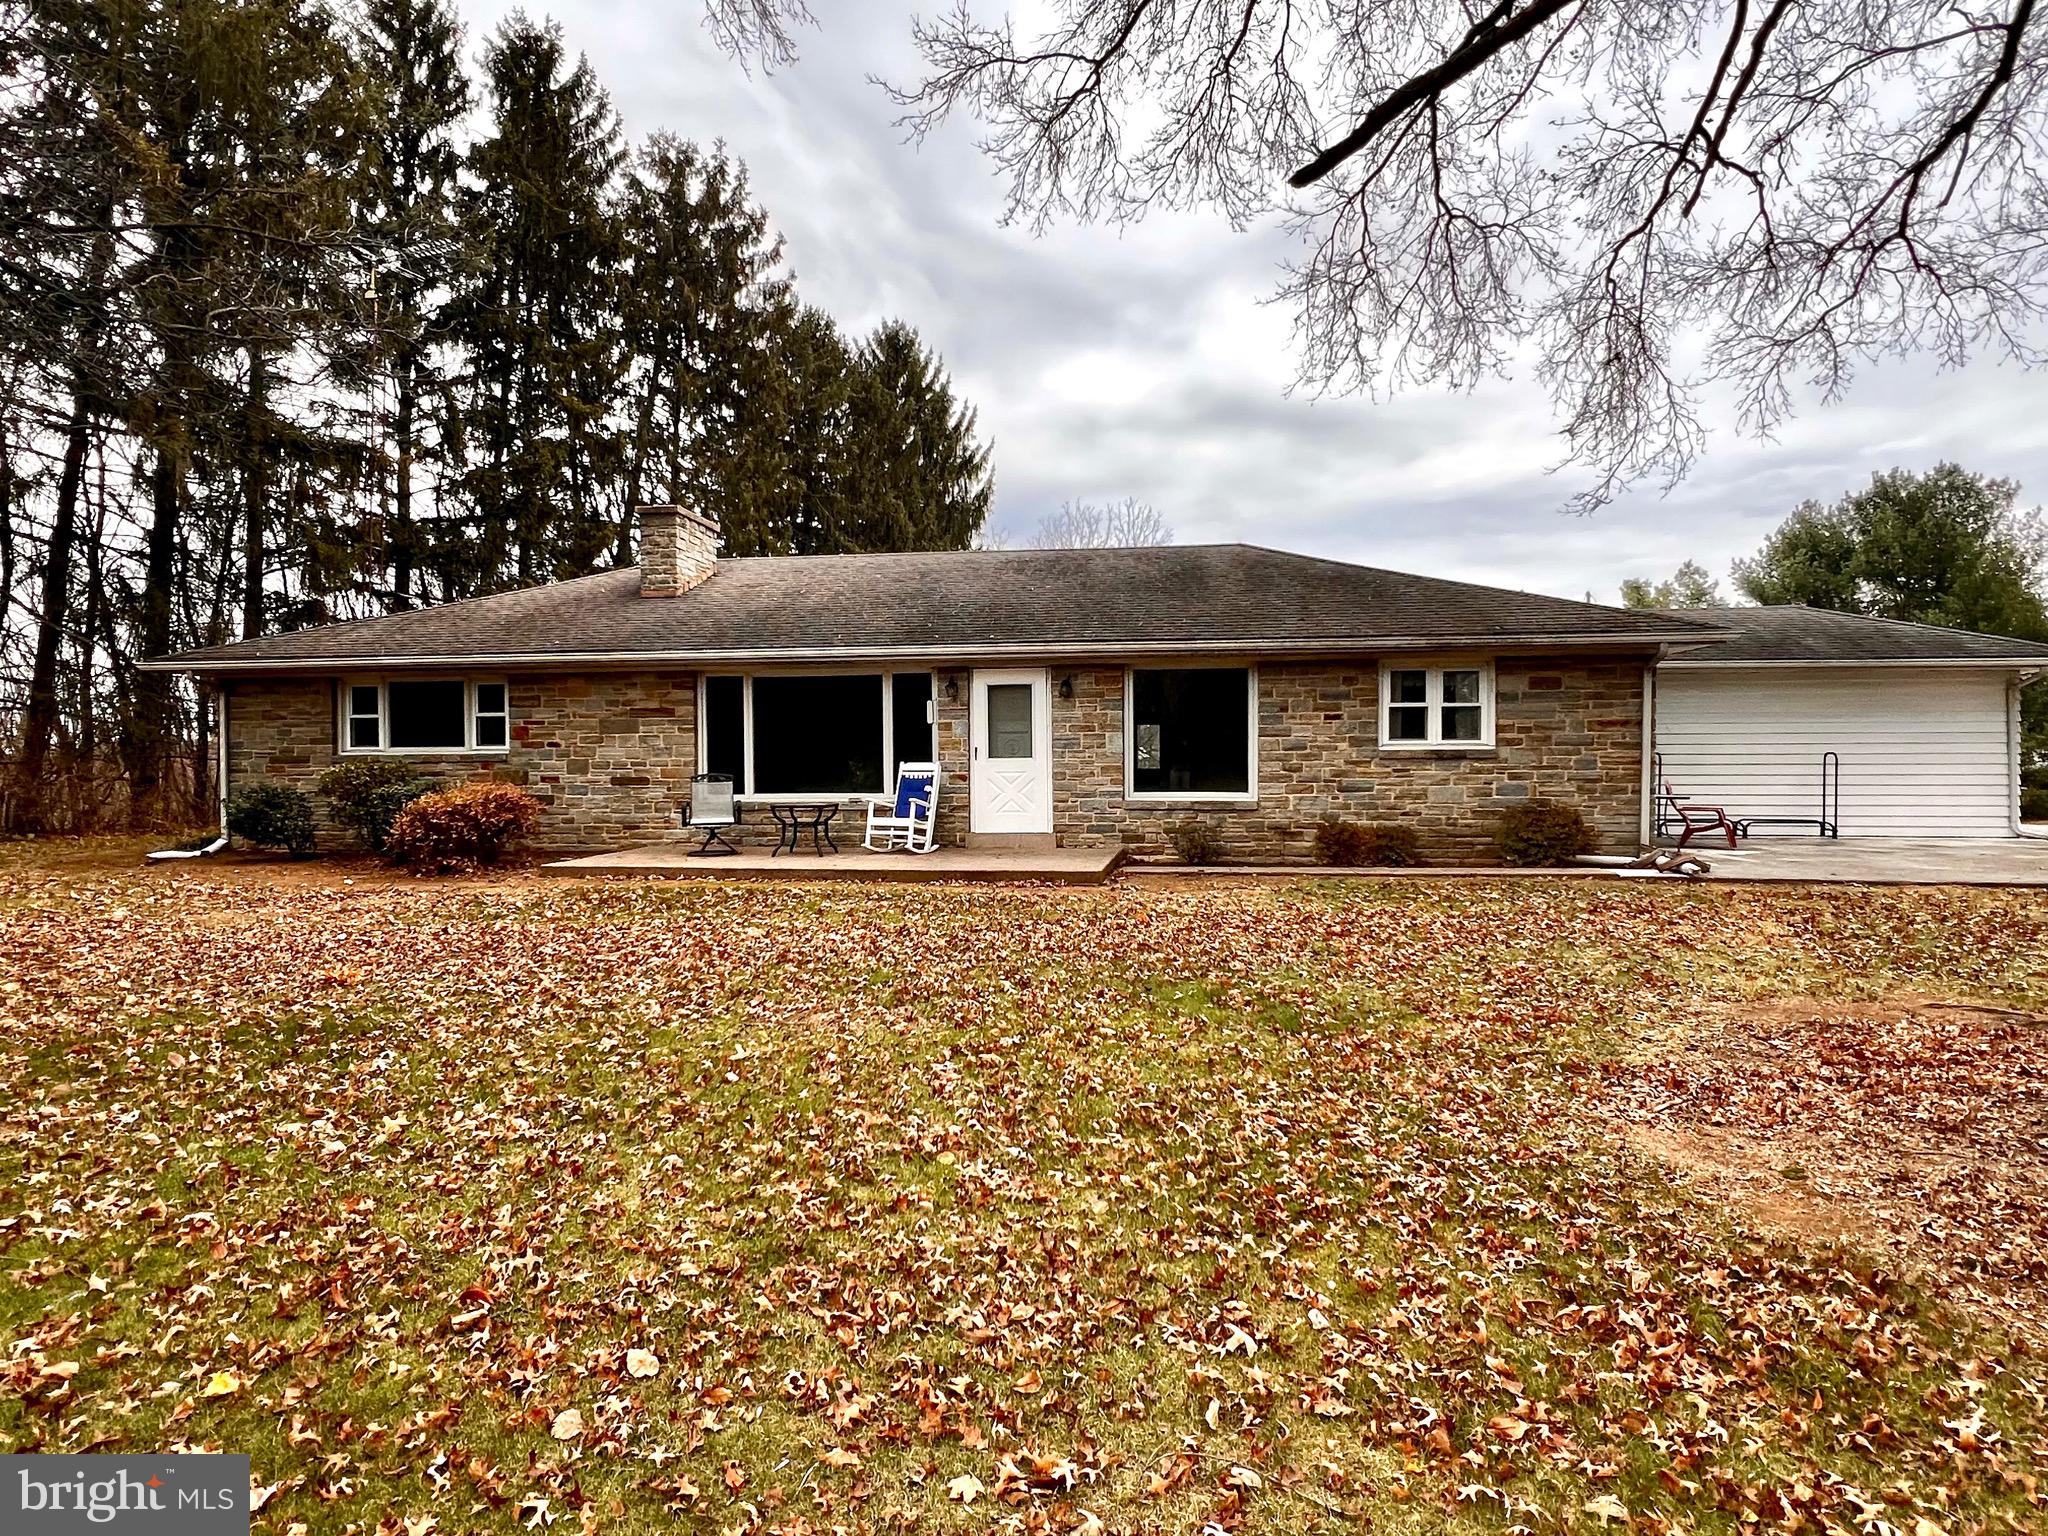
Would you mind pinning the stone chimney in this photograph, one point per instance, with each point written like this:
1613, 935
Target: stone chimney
678, 550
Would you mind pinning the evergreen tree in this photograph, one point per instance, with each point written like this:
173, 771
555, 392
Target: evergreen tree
413, 50
539, 319
701, 304
239, 137
918, 479
284, 337
66, 351
784, 482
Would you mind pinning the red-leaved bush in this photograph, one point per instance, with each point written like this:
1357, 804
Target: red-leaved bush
460, 828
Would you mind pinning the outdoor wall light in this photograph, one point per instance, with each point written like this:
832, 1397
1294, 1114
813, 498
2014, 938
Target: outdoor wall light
1067, 686
952, 690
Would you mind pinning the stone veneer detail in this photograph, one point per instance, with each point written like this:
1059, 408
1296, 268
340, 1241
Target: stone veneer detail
678, 550
611, 755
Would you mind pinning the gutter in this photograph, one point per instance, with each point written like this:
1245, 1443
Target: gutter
1950, 664
958, 654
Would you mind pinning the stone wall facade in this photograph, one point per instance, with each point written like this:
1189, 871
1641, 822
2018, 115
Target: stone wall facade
1565, 729
611, 755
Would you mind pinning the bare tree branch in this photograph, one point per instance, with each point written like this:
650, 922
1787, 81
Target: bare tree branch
1642, 200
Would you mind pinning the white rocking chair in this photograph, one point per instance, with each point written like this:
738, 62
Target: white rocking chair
906, 820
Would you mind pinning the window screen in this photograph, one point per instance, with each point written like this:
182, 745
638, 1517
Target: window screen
1009, 720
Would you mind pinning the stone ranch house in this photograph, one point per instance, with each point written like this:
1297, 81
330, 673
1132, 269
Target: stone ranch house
1078, 696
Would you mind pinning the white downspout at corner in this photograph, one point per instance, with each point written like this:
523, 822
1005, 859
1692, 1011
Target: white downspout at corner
2013, 685
220, 747
1647, 798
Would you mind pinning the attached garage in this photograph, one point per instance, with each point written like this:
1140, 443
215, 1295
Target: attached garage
1923, 723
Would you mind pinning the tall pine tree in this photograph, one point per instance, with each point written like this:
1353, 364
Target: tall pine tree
539, 319
701, 303
412, 49
918, 478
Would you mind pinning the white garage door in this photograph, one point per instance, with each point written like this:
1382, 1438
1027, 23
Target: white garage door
1924, 752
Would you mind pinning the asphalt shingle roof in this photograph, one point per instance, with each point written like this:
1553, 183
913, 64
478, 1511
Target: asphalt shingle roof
1791, 632
976, 603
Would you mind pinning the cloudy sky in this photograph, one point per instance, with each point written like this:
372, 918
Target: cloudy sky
1152, 362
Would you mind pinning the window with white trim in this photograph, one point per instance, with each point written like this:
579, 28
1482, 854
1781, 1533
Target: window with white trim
816, 736
425, 715
1193, 733
1440, 706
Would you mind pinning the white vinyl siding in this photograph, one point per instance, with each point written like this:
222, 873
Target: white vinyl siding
1925, 752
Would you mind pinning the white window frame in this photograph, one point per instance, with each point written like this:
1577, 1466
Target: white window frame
744, 789
382, 682
1434, 668
1247, 796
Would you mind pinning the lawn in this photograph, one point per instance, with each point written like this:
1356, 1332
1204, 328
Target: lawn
476, 1205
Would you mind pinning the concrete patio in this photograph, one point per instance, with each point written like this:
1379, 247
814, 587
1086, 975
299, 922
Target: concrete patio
674, 861
2021, 861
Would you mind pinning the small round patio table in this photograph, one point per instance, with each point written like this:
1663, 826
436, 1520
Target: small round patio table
791, 820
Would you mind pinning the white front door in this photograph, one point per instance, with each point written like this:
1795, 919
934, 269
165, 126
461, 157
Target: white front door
1010, 789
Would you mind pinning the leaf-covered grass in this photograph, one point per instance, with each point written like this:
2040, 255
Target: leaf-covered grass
511, 1202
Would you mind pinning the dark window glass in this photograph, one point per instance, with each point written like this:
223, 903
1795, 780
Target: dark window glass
1189, 731
1408, 706
818, 735
425, 716
1461, 706
911, 722
725, 724
362, 715
491, 721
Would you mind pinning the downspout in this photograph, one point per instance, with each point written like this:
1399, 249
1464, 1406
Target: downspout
220, 777
2013, 685
1646, 797
220, 841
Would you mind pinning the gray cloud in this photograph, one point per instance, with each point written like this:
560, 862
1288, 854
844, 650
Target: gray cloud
1148, 360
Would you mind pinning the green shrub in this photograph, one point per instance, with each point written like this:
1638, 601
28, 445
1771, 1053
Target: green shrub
1196, 842
1351, 844
365, 794
460, 828
1541, 832
273, 816
2034, 803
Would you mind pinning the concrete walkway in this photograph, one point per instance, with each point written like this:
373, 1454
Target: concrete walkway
1064, 866
1883, 860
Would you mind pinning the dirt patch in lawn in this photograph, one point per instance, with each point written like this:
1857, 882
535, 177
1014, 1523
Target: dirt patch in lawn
1911, 1125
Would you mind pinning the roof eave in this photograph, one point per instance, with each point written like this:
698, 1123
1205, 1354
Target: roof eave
1993, 663
956, 653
